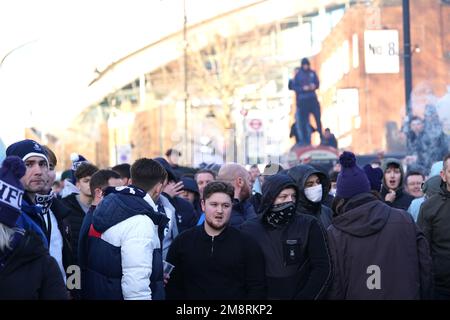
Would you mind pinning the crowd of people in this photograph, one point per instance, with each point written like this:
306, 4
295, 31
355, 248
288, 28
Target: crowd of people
377, 232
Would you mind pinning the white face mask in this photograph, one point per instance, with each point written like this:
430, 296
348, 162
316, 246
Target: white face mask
314, 194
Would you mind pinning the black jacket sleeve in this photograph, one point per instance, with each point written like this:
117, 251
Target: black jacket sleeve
425, 265
53, 287
175, 285
255, 272
320, 263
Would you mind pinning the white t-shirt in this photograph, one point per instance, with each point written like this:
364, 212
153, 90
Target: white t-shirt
56, 243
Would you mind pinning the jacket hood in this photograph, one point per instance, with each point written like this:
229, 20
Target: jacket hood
300, 174
443, 190
272, 187
170, 172
115, 208
436, 168
384, 167
432, 185
363, 215
190, 184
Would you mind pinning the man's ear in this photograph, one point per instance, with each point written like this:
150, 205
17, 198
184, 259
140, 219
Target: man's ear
443, 176
239, 182
203, 205
98, 193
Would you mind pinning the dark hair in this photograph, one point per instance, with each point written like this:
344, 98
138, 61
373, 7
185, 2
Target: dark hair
50, 156
415, 118
413, 173
147, 173
218, 187
100, 179
67, 174
170, 151
445, 161
85, 170
56, 183
254, 166
124, 170
333, 176
328, 129
205, 171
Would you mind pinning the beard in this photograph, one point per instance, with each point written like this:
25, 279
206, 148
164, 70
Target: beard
216, 223
245, 193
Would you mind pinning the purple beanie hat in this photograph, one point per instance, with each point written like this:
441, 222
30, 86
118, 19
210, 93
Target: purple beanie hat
352, 180
375, 176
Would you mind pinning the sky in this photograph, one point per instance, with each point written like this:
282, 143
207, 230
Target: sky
51, 48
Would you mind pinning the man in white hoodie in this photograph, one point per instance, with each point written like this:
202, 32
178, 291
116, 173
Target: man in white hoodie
125, 239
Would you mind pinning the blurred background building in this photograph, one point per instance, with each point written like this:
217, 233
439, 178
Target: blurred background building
215, 87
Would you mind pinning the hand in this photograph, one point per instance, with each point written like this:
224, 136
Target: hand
174, 189
390, 197
306, 88
166, 279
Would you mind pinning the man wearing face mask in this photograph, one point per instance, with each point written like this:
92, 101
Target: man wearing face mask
298, 264
313, 188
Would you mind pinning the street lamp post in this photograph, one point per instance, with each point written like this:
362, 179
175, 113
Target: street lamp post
186, 93
407, 56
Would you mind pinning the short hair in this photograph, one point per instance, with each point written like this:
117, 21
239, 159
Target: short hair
272, 168
85, 169
170, 151
231, 171
67, 174
147, 173
50, 156
445, 161
333, 176
413, 173
205, 171
328, 129
100, 179
124, 170
254, 166
218, 187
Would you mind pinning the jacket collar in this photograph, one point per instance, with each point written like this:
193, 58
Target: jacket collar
150, 201
219, 237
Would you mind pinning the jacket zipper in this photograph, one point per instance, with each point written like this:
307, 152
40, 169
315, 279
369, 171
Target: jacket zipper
212, 245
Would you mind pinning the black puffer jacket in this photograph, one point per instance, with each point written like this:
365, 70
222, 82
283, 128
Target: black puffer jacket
434, 219
75, 219
300, 174
298, 263
30, 273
